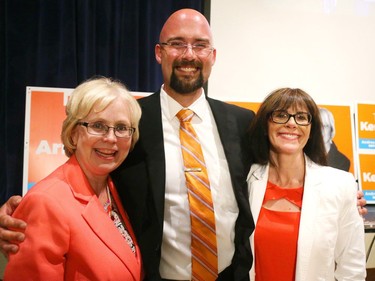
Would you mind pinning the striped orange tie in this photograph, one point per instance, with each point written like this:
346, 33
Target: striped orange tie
203, 234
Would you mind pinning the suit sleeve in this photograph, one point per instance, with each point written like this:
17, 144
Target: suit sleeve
42, 254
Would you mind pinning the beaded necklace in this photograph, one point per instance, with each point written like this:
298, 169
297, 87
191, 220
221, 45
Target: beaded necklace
113, 213
107, 204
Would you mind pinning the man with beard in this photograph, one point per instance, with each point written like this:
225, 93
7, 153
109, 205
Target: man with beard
152, 181
155, 191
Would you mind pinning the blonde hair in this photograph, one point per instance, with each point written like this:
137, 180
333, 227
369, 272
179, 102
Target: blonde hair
98, 92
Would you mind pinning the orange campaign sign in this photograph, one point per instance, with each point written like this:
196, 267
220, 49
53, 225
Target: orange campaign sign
366, 149
45, 113
368, 174
366, 127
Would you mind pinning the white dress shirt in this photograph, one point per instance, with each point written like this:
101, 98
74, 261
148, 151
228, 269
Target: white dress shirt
175, 252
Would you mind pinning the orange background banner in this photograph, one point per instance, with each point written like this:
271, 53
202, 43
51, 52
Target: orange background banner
45, 111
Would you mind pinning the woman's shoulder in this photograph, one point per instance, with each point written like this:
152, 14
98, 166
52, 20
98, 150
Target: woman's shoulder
51, 191
330, 172
330, 180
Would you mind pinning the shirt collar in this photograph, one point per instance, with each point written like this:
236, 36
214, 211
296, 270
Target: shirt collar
171, 107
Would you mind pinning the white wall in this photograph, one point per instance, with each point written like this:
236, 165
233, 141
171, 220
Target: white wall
326, 47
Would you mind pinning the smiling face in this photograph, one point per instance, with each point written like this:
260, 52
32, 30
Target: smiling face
186, 72
268, 139
99, 155
289, 138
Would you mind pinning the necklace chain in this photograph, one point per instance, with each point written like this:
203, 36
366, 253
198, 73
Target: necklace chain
108, 204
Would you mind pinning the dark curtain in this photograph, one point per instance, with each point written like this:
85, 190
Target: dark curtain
60, 43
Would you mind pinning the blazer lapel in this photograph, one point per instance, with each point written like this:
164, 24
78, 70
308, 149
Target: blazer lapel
311, 201
94, 215
153, 144
104, 228
258, 177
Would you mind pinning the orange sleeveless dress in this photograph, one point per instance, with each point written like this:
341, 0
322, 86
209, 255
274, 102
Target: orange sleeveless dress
276, 236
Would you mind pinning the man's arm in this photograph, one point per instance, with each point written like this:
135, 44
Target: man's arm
10, 238
361, 203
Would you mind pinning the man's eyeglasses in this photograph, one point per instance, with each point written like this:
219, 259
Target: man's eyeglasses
101, 129
282, 117
200, 49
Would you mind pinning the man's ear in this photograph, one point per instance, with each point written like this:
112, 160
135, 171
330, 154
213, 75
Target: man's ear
158, 53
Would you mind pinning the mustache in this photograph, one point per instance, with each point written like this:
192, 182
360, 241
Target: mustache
187, 63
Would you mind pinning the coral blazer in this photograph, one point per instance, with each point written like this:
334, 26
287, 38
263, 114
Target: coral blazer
331, 233
69, 236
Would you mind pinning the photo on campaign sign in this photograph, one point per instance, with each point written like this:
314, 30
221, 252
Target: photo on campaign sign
338, 136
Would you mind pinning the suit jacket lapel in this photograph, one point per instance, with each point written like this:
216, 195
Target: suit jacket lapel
222, 119
235, 152
153, 144
229, 138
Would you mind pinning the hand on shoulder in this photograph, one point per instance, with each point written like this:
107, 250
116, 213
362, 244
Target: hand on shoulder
11, 229
361, 203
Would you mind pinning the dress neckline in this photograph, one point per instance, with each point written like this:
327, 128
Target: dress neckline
275, 192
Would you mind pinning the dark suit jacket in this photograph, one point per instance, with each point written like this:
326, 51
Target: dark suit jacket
337, 160
141, 183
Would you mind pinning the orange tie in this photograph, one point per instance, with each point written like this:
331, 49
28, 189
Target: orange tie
203, 234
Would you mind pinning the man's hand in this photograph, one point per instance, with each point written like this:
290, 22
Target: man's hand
10, 238
361, 203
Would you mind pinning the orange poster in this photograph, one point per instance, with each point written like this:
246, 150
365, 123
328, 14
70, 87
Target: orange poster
45, 111
366, 149
366, 127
